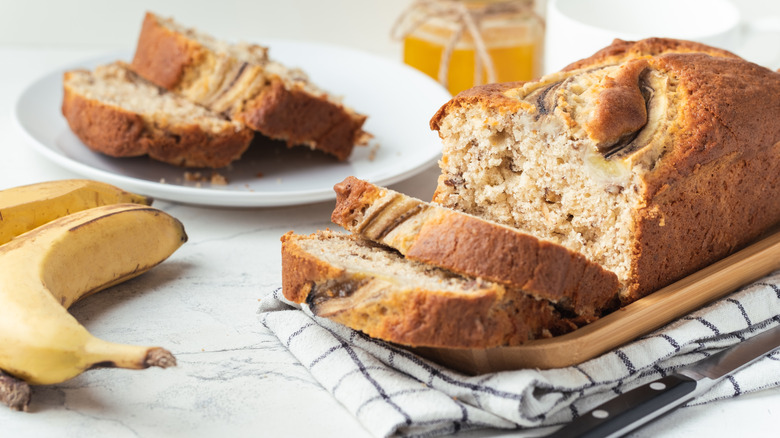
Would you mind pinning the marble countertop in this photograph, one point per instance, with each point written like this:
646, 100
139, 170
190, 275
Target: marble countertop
233, 377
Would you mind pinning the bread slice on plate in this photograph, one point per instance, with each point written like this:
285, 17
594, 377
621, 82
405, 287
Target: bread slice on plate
652, 158
475, 247
115, 112
372, 288
242, 82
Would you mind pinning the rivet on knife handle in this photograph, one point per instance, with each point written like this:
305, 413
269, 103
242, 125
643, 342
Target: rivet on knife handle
634, 408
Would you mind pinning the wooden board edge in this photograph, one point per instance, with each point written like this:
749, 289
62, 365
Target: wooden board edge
626, 324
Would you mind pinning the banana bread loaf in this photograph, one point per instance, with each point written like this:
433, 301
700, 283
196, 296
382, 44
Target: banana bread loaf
371, 288
117, 113
474, 247
241, 81
652, 158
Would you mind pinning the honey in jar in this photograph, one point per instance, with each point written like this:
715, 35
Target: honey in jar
454, 40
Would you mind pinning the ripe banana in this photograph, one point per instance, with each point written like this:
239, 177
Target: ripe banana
26, 207
44, 271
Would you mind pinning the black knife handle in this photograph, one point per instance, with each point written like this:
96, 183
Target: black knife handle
630, 410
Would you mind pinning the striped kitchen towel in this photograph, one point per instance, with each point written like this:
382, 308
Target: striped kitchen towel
393, 392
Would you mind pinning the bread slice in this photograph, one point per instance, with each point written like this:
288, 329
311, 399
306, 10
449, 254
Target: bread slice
117, 113
652, 158
241, 81
474, 247
371, 288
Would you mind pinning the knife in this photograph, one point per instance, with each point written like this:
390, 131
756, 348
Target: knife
634, 408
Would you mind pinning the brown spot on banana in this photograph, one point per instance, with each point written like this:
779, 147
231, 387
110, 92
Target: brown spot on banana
155, 357
50, 200
104, 364
83, 224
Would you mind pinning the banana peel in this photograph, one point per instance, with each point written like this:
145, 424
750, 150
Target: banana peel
27, 207
45, 270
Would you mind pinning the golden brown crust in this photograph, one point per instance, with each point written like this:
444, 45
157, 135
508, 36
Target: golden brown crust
492, 94
299, 270
475, 247
298, 117
422, 318
621, 51
469, 246
88, 119
279, 110
418, 317
487, 316
163, 55
351, 195
114, 131
716, 190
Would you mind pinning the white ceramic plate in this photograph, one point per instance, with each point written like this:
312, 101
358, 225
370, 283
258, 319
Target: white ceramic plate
398, 100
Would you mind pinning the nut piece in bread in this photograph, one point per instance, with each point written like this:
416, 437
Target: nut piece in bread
241, 81
652, 158
115, 112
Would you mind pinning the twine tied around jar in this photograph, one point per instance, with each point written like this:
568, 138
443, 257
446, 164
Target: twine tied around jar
466, 19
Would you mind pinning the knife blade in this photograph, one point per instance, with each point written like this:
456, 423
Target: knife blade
640, 405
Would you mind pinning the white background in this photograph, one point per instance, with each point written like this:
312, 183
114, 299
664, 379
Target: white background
111, 24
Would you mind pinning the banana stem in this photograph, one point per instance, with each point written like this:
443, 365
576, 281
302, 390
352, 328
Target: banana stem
111, 355
160, 357
15, 393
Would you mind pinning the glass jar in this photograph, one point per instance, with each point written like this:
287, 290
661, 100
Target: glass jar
463, 43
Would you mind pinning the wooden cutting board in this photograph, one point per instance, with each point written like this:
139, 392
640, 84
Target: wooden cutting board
626, 324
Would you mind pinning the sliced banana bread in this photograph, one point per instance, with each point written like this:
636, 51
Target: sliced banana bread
372, 288
652, 158
117, 113
474, 247
241, 81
